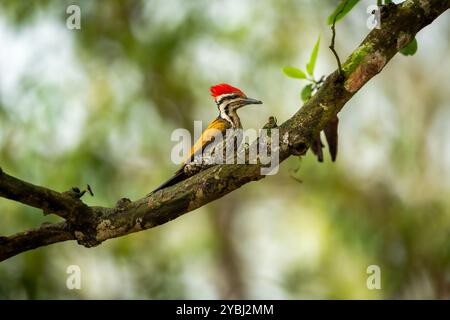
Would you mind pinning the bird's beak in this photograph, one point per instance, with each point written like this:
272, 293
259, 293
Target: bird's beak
251, 101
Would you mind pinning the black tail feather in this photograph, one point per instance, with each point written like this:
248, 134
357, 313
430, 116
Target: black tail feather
179, 176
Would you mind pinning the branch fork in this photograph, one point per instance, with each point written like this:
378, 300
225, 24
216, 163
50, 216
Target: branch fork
91, 225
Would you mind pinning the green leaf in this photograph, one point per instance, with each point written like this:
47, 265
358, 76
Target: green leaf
306, 93
410, 49
294, 73
342, 9
312, 60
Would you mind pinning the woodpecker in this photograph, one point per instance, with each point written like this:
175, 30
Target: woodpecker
228, 100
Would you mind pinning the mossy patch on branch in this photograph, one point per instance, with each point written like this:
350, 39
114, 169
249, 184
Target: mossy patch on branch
356, 58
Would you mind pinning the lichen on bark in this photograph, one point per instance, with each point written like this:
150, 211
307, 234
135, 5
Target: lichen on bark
356, 58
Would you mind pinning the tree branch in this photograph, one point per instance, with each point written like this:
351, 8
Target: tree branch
92, 225
42, 236
61, 204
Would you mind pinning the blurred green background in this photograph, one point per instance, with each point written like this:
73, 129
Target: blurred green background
98, 105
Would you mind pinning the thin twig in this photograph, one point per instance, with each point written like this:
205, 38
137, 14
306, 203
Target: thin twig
333, 29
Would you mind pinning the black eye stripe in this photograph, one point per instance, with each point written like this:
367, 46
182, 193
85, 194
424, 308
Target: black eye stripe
232, 104
233, 96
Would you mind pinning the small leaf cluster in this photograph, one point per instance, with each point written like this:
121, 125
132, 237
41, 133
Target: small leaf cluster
297, 73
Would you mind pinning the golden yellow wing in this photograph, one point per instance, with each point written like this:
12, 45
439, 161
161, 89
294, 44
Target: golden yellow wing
205, 139
208, 136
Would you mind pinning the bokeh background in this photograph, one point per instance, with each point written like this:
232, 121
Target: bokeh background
98, 105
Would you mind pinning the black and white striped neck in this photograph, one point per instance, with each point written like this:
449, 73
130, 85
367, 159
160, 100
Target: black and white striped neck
227, 105
232, 117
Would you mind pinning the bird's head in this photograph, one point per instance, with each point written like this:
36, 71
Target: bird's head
229, 98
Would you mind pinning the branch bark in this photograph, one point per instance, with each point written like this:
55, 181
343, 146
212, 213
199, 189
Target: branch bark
92, 225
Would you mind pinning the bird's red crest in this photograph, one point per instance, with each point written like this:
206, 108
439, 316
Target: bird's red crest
224, 88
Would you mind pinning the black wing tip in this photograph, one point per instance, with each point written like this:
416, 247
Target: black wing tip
177, 177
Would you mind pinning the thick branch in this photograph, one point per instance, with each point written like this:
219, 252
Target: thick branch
92, 225
44, 235
61, 204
